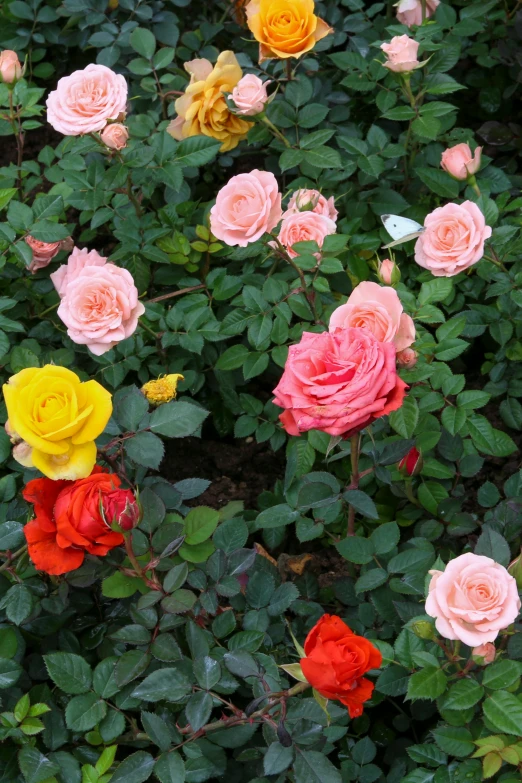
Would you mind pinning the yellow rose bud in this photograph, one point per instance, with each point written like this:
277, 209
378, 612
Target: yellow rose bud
285, 28
162, 390
58, 417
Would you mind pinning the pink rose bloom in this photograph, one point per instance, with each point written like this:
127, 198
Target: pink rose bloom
389, 272
76, 262
473, 599
378, 309
452, 240
250, 95
338, 382
304, 227
401, 53
43, 252
247, 207
409, 12
100, 307
308, 200
484, 653
115, 136
460, 162
10, 67
85, 100
407, 358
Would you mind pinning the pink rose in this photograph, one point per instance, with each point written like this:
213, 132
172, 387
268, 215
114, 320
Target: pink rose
460, 162
473, 599
100, 307
43, 252
250, 95
304, 227
389, 272
409, 12
484, 653
10, 67
407, 358
401, 53
115, 136
307, 200
338, 382
452, 240
247, 207
76, 262
379, 310
85, 100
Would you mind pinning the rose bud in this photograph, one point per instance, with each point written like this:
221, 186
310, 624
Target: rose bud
407, 358
250, 95
515, 569
423, 629
10, 67
411, 464
121, 509
401, 54
23, 454
460, 162
388, 272
43, 252
115, 136
484, 654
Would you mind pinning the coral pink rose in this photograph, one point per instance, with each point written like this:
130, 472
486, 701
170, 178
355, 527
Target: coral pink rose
100, 307
452, 240
85, 100
76, 262
473, 599
409, 12
401, 53
389, 273
460, 162
43, 252
247, 207
304, 227
338, 382
10, 67
407, 358
115, 136
379, 310
308, 200
484, 653
250, 95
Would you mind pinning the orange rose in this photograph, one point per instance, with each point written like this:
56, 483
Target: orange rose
336, 660
285, 28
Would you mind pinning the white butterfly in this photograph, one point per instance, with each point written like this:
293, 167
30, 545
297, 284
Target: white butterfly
401, 229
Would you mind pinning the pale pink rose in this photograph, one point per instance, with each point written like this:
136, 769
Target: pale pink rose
401, 53
43, 252
250, 95
460, 162
409, 12
85, 100
115, 136
247, 207
473, 599
100, 307
389, 273
304, 227
452, 240
407, 358
338, 382
76, 262
10, 67
378, 309
484, 653
308, 200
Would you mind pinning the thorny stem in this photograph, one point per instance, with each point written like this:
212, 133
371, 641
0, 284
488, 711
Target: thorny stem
176, 293
275, 131
289, 70
132, 557
11, 557
48, 310
17, 130
497, 262
354, 452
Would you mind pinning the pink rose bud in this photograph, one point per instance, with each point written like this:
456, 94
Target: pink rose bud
460, 162
250, 95
13, 436
401, 53
115, 136
411, 464
10, 67
407, 358
388, 272
304, 227
23, 454
409, 12
43, 252
309, 200
484, 654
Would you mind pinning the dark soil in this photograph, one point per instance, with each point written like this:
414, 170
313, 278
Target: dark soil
35, 141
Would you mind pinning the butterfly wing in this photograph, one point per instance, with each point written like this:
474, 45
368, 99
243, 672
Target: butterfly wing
401, 229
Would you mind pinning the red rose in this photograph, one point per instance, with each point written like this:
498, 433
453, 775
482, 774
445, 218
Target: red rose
411, 464
120, 507
336, 660
69, 520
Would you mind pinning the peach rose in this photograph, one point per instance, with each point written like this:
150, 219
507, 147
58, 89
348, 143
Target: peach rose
409, 12
338, 382
460, 162
388, 272
115, 136
407, 358
85, 100
43, 252
250, 95
484, 653
309, 200
100, 307
76, 262
304, 227
473, 599
247, 207
379, 310
10, 67
401, 53
284, 28
452, 240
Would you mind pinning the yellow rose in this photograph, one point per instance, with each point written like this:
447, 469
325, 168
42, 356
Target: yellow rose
163, 389
203, 109
285, 28
59, 417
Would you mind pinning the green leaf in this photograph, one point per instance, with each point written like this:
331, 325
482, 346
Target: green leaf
371, 580
313, 767
145, 449
232, 358
35, 767
356, 549
170, 768
429, 683
362, 503
200, 523
405, 419
323, 158
289, 159
435, 290
130, 406
180, 601
427, 754
439, 182
454, 740
10, 671
504, 711
463, 694
492, 544
277, 516
136, 768
198, 709
178, 419
385, 538
197, 151
6, 194
426, 127
277, 759
69, 672
11, 535
84, 712
501, 674
167, 684
122, 586
431, 494
143, 42
47, 231
157, 730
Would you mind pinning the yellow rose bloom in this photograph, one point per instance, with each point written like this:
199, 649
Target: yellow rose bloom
163, 389
285, 28
203, 110
58, 417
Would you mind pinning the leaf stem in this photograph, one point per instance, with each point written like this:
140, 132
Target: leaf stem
354, 455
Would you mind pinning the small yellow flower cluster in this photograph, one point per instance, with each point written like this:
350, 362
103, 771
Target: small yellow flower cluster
162, 390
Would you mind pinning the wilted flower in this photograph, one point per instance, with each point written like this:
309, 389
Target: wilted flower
162, 389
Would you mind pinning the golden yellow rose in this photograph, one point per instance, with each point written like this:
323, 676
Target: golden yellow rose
58, 417
285, 28
203, 110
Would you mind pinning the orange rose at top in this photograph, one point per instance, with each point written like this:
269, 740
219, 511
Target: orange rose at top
336, 662
203, 110
58, 418
285, 28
